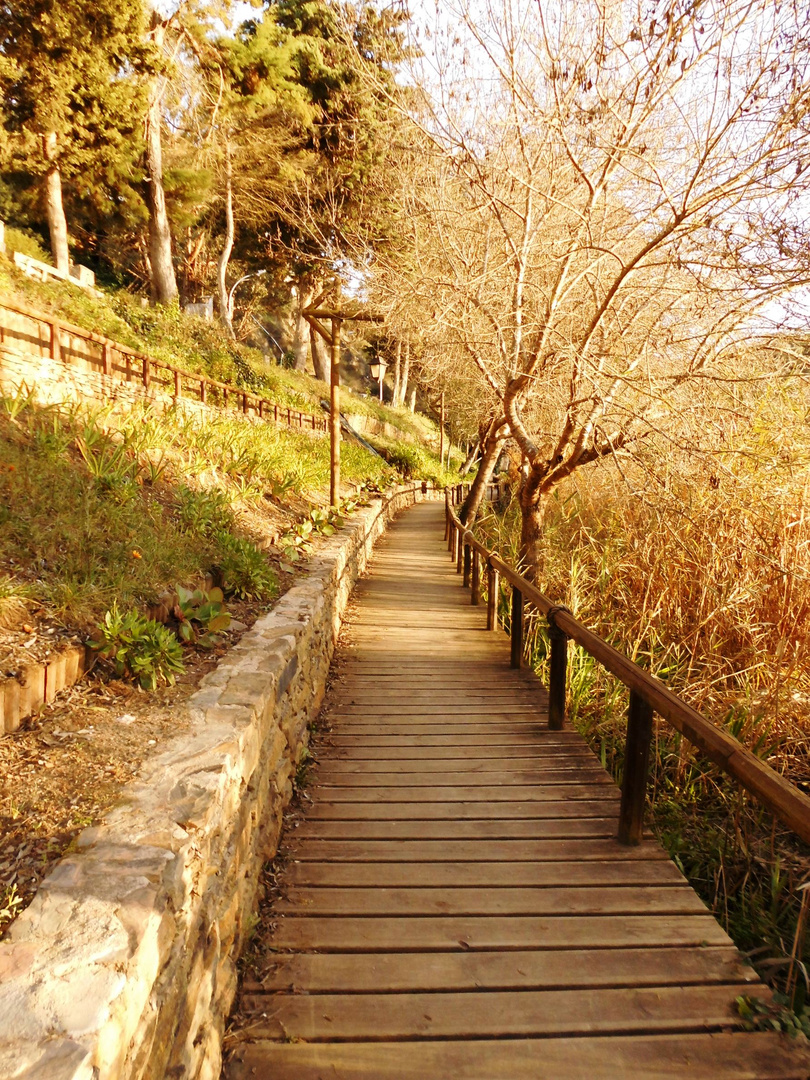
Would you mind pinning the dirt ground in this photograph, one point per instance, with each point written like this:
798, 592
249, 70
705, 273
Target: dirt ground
66, 765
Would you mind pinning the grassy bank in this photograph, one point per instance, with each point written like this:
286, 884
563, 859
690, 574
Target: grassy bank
192, 343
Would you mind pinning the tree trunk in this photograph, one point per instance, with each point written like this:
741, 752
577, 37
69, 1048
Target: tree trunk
397, 375
225, 312
470, 458
302, 334
412, 402
406, 370
489, 459
57, 222
164, 282
533, 500
320, 361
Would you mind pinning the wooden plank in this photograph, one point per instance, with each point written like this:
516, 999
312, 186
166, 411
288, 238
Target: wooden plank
415, 728
403, 709
524, 766
329, 775
620, 900
320, 973
718, 1056
559, 755
415, 829
517, 740
483, 875
496, 1014
471, 793
468, 850
322, 809
422, 933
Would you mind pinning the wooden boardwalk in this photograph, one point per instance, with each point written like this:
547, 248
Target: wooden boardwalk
454, 905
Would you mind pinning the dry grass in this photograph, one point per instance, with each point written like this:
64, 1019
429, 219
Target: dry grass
700, 573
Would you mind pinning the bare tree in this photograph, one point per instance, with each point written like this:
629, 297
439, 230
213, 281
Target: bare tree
613, 204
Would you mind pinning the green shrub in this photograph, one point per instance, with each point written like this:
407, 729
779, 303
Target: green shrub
414, 462
201, 615
203, 513
245, 570
27, 243
139, 648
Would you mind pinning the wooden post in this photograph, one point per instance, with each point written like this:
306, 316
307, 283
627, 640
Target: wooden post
460, 552
106, 358
493, 588
244, 402
446, 517
558, 664
203, 391
225, 397
467, 565
334, 415
275, 413
145, 377
475, 592
56, 342
453, 542
517, 628
636, 762
441, 432
261, 408
176, 384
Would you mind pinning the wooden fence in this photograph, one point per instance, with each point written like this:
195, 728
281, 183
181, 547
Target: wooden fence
648, 695
31, 332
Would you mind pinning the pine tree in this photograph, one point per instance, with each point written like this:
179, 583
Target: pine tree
71, 99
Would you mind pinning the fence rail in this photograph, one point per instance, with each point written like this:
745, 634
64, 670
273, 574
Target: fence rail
126, 365
648, 695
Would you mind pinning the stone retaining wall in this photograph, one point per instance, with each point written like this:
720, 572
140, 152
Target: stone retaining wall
124, 965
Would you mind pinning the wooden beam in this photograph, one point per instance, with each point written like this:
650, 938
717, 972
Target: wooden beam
319, 328
334, 415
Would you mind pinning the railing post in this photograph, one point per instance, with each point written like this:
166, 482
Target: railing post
636, 763
203, 392
460, 545
261, 408
145, 372
446, 518
453, 541
517, 627
558, 664
493, 587
467, 565
177, 384
475, 592
106, 358
244, 402
56, 342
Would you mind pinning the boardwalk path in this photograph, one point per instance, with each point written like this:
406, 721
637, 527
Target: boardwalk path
454, 905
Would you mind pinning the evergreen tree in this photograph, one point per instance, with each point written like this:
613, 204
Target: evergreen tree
71, 101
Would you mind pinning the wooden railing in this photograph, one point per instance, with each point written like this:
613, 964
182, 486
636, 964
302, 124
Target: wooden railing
648, 695
123, 364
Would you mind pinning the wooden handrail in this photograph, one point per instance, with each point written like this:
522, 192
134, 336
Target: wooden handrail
149, 363
782, 798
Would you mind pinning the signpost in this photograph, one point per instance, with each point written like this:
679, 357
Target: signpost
316, 316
